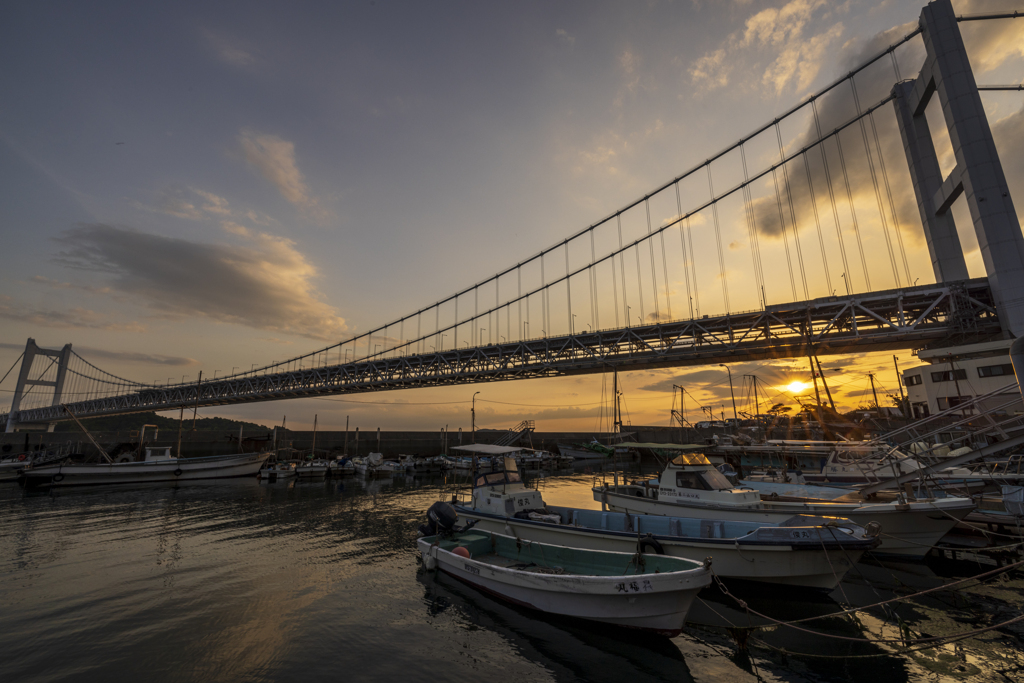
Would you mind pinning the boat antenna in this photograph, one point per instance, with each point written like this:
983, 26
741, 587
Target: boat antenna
98, 447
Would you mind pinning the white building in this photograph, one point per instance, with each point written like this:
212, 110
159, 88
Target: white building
956, 374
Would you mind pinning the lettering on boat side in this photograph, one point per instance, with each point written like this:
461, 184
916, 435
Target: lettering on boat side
471, 569
634, 587
801, 534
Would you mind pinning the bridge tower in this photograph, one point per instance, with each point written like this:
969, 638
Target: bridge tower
32, 350
978, 175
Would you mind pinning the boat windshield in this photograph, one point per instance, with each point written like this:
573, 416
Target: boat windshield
497, 478
706, 480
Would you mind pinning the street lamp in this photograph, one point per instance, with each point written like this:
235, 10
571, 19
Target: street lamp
628, 309
572, 324
731, 392
481, 336
473, 414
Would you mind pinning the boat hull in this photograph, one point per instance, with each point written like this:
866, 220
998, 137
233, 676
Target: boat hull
907, 530
649, 601
776, 564
186, 469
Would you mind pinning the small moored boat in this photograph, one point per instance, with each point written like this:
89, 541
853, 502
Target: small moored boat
159, 465
652, 592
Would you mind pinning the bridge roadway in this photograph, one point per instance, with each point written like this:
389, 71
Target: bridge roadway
876, 321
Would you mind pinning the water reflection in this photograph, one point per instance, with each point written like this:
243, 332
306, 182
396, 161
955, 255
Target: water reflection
241, 580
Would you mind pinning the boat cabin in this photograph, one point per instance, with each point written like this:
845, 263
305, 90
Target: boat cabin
690, 477
159, 454
503, 493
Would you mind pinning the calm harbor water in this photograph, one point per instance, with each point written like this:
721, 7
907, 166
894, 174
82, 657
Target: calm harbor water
242, 581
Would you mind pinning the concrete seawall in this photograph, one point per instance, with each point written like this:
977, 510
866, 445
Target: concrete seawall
354, 442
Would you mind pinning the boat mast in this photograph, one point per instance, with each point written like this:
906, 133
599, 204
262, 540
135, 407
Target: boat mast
824, 383
617, 424
98, 447
312, 450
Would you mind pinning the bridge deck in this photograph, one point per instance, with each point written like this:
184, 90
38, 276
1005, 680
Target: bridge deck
877, 321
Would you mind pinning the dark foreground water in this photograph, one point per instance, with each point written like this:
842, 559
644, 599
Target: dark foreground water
305, 582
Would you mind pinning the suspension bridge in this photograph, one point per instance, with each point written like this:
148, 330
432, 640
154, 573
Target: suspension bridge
821, 194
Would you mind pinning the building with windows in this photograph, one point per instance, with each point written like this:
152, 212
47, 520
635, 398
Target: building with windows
955, 375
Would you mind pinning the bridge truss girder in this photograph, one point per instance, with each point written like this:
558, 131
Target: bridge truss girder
878, 321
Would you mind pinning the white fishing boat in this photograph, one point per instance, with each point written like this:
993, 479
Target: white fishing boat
691, 486
810, 552
628, 589
374, 465
159, 465
312, 469
278, 471
11, 467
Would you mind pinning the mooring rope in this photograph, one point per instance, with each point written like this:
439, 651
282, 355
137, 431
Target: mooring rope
775, 622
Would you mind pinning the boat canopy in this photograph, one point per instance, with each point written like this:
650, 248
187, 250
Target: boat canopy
691, 459
486, 449
509, 474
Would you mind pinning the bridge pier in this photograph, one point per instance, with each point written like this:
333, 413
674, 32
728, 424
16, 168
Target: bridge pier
24, 380
978, 175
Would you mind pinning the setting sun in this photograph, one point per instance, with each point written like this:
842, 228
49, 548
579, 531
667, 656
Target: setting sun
797, 386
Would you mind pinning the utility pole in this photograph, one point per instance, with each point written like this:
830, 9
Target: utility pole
473, 416
874, 393
195, 411
346, 436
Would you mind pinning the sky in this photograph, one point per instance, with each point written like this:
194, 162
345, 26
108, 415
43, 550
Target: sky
209, 186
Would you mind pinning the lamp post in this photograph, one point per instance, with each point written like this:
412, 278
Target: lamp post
572, 324
473, 414
481, 336
735, 417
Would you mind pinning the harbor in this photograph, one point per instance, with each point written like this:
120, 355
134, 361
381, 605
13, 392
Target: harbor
247, 580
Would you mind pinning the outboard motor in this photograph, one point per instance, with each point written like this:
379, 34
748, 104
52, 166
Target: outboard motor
441, 518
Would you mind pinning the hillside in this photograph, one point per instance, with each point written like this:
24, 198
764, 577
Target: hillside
119, 423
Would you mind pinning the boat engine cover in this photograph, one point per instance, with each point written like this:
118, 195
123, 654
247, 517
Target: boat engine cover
442, 515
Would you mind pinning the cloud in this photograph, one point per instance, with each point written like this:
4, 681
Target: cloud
227, 49
133, 357
778, 34
274, 158
266, 284
72, 318
190, 203
564, 37
711, 71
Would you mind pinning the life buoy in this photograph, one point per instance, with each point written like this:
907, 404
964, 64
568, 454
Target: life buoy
177, 472
58, 477
651, 542
21, 458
